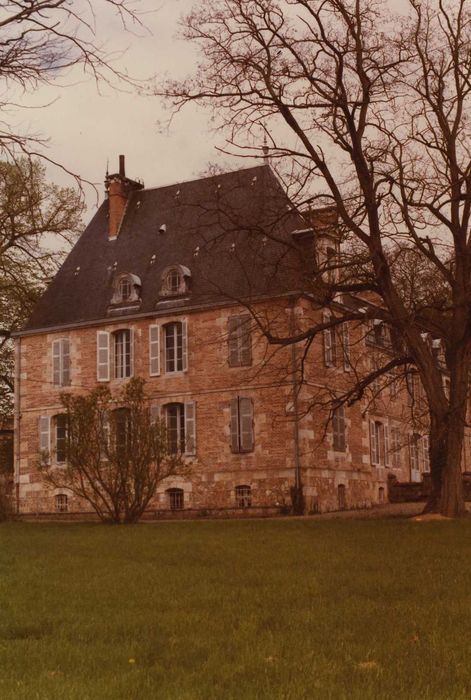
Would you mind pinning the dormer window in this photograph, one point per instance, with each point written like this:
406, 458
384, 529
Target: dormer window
126, 289
175, 281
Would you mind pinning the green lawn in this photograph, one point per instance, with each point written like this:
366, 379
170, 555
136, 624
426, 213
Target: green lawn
275, 609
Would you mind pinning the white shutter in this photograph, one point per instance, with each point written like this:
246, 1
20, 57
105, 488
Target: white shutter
103, 356
65, 369
328, 347
426, 453
246, 425
154, 350
44, 434
387, 446
373, 443
154, 413
185, 345
56, 362
190, 428
131, 352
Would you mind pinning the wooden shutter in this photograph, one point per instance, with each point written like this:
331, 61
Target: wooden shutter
245, 336
65, 379
45, 434
232, 341
246, 424
56, 362
184, 345
154, 350
103, 356
235, 443
373, 443
190, 428
346, 347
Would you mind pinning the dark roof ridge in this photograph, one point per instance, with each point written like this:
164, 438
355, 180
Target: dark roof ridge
179, 183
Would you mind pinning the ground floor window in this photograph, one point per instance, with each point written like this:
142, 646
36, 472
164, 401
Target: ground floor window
175, 499
243, 496
61, 503
381, 494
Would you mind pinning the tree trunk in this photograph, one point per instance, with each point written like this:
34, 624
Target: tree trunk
437, 455
452, 500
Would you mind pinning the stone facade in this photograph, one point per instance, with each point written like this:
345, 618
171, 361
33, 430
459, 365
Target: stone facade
289, 390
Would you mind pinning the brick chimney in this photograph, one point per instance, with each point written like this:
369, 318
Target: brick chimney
118, 188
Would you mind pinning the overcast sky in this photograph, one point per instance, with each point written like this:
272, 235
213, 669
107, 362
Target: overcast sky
86, 127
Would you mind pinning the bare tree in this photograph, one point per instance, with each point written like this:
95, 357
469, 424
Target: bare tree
114, 452
40, 41
38, 222
371, 110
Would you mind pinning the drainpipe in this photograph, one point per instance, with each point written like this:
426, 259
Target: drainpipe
17, 421
298, 501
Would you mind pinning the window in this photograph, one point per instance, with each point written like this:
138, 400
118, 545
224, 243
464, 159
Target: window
61, 503
175, 499
242, 428
243, 496
381, 494
125, 289
175, 281
379, 443
122, 353
396, 447
175, 347
60, 428
239, 341
341, 497
180, 422
330, 344
379, 333
61, 362
114, 354
414, 456
121, 430
338, 427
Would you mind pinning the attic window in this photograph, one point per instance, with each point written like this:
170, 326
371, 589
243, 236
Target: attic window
175, 281
126, 289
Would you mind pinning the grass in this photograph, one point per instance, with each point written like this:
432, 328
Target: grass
265, 609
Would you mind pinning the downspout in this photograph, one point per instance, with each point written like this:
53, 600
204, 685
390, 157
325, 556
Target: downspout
298, 501
17, 421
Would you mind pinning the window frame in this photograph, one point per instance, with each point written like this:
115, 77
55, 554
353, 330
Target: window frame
179, 361
175, 498
122, 353
242, 425
61, 503
339, 429
239, 340
59, 424
61, 364
243, 495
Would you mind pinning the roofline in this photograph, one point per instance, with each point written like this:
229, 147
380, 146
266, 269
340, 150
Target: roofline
150, 314
207, 177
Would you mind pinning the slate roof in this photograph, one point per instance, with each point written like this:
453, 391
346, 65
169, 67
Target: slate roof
230, 230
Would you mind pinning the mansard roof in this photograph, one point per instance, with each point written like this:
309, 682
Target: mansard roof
229, 230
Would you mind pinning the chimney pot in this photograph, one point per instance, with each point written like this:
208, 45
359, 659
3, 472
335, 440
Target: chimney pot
121, 166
